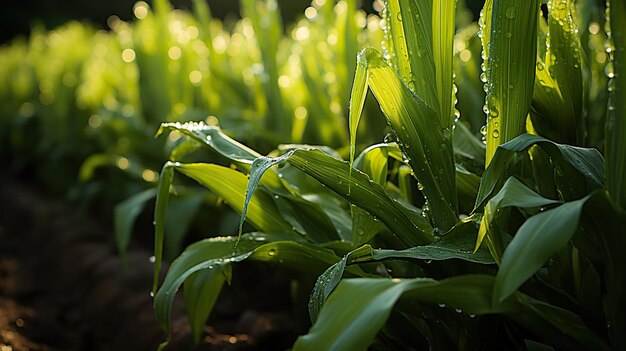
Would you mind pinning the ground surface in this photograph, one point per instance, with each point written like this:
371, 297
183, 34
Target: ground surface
62, 287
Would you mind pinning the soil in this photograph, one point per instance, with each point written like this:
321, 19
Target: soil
63, 287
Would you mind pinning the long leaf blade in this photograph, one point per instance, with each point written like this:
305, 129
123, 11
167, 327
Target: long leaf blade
427, 147
510, 68
615, 144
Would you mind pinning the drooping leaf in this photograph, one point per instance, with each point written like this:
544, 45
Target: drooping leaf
126, 213
181, 211
225, 250
582, 168
456, 244
201, 291
513, 193
231, 185
225, 182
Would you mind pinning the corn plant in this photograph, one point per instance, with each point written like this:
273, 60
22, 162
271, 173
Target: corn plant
445, 241
90, 100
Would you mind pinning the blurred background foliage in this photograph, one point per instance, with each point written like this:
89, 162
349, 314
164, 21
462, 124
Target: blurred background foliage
20, 17
82, 100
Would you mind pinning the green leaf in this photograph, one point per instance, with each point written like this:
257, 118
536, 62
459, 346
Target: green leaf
213, 252
615, 145
559, 86
456, 244
513, 193
581, 168
125, 214
231, 185
426, 146
356, 187
214, 138
182, 209
228, 184
358, 308
201, 292
510, 47
540, 237
160, 209
443, 39
198, 256
409, 30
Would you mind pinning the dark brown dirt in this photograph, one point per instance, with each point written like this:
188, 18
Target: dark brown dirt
62, 287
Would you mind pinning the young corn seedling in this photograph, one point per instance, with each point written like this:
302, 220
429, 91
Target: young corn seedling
548, 209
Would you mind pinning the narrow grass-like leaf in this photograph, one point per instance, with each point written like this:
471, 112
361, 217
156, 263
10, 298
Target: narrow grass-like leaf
540, 237
227, 183
201, 255
510, 50
214, 138
427, 147
372, 161
560, 78
160, 208
443, 28
615, 144
409, 42
125, 215
259, 167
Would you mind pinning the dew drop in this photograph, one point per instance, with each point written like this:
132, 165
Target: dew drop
495, 133
510, 12
540, 66
271, 252
483, 130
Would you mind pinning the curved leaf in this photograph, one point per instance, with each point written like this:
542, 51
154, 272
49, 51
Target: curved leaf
358, 309
356, 187
456, 244
582, 169
513, 193
540, 237
214, 252
125, 214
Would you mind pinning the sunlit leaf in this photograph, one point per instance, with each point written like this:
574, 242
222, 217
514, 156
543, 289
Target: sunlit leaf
510, 47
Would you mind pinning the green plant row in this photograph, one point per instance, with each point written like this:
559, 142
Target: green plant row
83, 104
432, 238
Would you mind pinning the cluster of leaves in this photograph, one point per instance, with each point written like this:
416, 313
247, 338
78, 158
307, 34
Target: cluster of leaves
446, 241
83, 104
